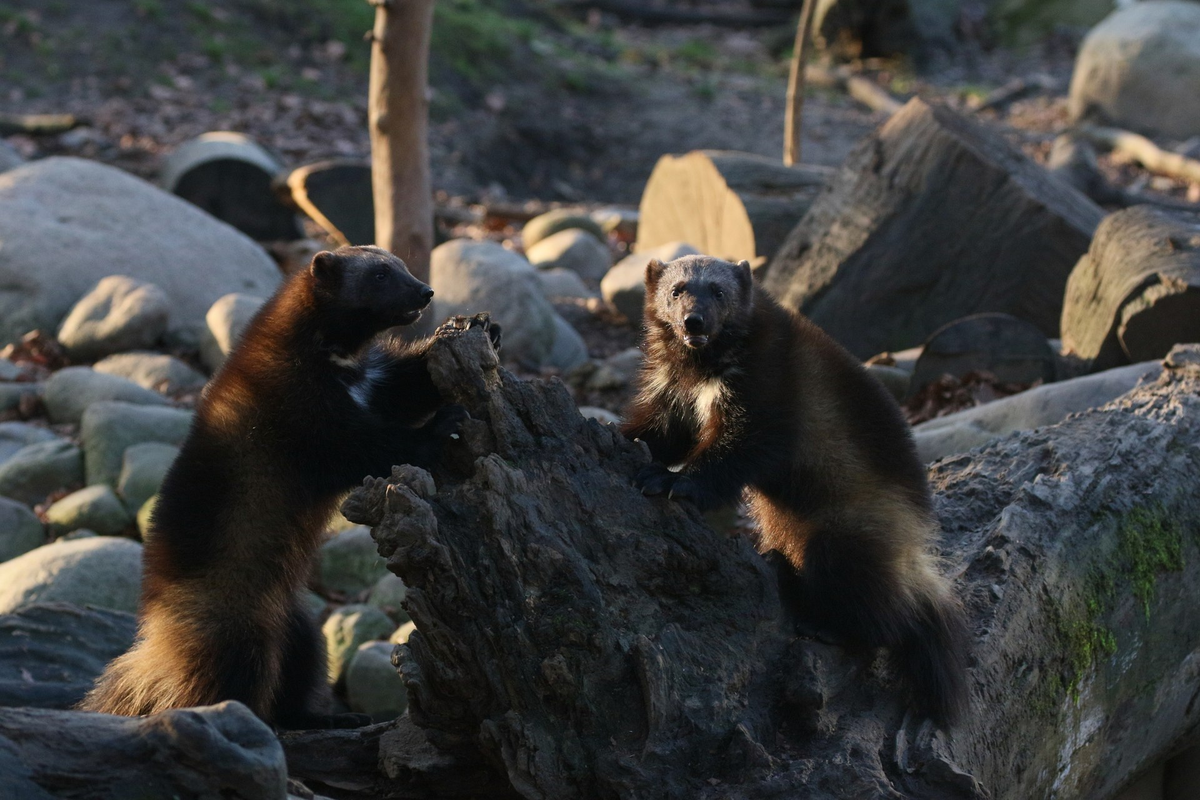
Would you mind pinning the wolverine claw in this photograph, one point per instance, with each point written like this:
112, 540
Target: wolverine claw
447, 421
684, 488
654, 479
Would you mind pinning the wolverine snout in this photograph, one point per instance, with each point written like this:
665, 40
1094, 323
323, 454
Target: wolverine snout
426, 296
693, 323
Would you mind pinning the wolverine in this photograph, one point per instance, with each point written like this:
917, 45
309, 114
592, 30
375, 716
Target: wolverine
745, 399
300, 412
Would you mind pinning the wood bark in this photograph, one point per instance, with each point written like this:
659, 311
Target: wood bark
793, 121
1137, 290
931, 219
590, 642
725, 204
221, 751
398, 115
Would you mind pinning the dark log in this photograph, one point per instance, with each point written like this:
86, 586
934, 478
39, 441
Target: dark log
725, 204
220, 752
596, 643
1137, 290
1011, 349
931, 219
337, 196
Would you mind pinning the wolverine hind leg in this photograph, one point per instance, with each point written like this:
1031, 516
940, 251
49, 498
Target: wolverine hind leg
302, 700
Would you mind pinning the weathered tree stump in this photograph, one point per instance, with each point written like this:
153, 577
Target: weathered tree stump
725, 204
591, 642
1137, 290
931, 219
221, 751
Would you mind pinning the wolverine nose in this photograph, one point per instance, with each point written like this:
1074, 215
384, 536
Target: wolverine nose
426, 295
693, 323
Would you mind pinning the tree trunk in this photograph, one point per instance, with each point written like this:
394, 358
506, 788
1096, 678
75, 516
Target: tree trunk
931, 219
592, 642
221, 751
399, 120
725, 204
1137, 290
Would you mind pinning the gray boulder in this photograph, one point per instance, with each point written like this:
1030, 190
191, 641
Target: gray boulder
118, 314
13, 394
103, 571
601, 415
52, 653
66, 223
109, 428
20, 529
373, 684
70, 391
350, 562
205, 753
572, 249
10, 371
470, 277
38, 469
225, 322
560, 283
346, 629
96, 508
624, 286
9, 157
388, 596
1043, 405
156, 371
569, 350
1140, 69
560, 219
15, 435
143, 468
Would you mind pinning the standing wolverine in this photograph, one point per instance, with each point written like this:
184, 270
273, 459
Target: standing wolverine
295, 418
747, 396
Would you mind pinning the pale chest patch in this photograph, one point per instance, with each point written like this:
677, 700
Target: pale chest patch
362, 389
705, 398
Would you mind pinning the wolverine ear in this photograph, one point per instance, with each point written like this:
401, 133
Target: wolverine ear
654, 271
324, 265
744, 275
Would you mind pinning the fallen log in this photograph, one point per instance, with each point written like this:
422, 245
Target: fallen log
1143, 151
726, 204
591, 642
931, 219
1136, 292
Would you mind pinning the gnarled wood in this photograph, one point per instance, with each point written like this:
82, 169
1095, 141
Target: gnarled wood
725, 204
595, 643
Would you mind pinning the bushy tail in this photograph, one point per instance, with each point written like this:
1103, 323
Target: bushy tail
932, 656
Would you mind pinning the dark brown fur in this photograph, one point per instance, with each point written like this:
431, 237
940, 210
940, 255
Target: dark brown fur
294, 419
751, 398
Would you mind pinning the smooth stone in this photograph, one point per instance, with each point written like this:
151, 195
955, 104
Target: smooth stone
70, 391
562, 283
388, 596
16, 435
156, 371
350, 562
143, 468
96, 508
545, 225
373, 685
225, 322
119, 313
103, 571
572, 249
569, 350
20, 529
37, 470
346, 629
624, 286
13, 394
109, 428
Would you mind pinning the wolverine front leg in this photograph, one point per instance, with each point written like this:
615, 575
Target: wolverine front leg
716, 475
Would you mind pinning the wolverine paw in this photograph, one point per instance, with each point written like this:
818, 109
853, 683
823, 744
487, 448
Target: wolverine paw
684, 488
446, 421
459, 324
655, 479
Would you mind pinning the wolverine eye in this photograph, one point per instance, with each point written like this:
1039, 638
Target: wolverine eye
381, 276
717, 293
676, 292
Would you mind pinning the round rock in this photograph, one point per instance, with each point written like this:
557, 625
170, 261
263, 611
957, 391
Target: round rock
350, 562
546, 225
572, 249
346, 629
15, 435
20, 529
226, 320
70, 391
156, 371
143, 468
1140, 69
103, 571
1013, 350
561, 283
624, 286
38, 469
118, 314
96, 508
388, 596
109, 428
373, 684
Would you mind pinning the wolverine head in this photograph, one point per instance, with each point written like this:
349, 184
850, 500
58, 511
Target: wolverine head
695, 299
370, 285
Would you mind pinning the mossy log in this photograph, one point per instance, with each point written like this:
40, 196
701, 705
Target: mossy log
931, 219
584, 641
725, 204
